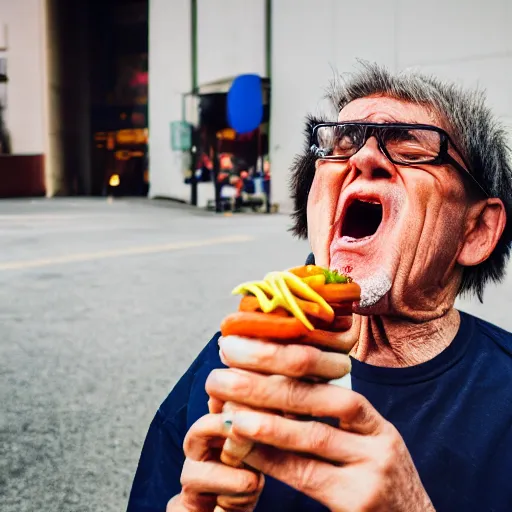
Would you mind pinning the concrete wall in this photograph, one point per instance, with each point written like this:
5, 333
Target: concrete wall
68, 150
230, 42
310, 43
231, 38
470, 42
170, 76
25, 115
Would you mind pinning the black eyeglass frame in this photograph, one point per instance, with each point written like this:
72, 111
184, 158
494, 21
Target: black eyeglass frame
443, 156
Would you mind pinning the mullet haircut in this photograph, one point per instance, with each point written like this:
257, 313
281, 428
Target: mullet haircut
476, 131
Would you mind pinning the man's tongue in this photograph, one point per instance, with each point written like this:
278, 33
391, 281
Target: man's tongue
362, 219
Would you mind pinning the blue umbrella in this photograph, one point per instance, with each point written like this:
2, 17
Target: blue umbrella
245, 103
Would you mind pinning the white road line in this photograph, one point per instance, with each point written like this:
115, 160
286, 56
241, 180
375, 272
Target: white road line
115, 253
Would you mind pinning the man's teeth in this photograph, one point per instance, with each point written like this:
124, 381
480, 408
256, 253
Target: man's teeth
351, 239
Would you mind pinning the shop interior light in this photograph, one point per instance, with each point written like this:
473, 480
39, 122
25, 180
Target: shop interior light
114, 180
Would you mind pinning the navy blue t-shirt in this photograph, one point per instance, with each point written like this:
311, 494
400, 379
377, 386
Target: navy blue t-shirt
454, 413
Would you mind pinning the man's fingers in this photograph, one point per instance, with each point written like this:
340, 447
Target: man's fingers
215, 406
305, 475
204, 478
339, 341
309, 437
237, 504
242, 503
230, 407
293, 396
291, 360
216, 478
191, 502
198, 441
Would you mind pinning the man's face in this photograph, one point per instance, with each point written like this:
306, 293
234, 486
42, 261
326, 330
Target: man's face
397, 230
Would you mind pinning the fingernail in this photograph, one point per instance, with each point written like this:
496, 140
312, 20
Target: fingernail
222, 358
247, 423
228, 421
238, 350
227, 380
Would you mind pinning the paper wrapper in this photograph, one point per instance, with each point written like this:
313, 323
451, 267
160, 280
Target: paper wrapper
343, 382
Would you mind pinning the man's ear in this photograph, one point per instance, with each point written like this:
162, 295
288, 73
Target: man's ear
485, 227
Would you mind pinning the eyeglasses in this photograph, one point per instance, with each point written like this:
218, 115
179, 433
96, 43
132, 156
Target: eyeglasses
403, 144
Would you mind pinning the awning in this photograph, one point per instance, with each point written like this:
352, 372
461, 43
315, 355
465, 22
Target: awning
222, 86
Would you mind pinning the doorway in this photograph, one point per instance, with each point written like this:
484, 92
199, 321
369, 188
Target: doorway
98, 94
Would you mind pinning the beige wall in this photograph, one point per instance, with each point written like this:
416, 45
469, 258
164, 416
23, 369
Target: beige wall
169, 77
231, 38
26, 70
230, 42
470, 42
47, 92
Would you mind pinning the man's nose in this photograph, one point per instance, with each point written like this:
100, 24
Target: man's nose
371, 162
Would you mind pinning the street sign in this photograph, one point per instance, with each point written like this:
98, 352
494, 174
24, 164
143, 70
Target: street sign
181, 136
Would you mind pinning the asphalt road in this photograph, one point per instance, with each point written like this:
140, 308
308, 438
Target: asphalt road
102, 307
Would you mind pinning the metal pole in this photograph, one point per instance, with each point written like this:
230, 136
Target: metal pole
268, 66
193, 5
194, 149
216, 165
268, 37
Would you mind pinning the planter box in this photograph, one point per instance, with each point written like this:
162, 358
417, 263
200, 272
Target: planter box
22, 176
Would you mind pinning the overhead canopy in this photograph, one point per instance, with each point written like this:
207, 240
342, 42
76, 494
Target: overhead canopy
207, 106
223, 85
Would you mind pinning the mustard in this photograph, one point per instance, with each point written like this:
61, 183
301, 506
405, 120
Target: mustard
280, 289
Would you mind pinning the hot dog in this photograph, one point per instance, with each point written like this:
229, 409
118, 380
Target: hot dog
289, 304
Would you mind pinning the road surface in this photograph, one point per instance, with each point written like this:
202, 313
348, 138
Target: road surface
103, 305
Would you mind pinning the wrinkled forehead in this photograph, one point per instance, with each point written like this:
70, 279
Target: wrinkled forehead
384, 109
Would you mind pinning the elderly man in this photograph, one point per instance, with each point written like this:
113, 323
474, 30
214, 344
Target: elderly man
410, 191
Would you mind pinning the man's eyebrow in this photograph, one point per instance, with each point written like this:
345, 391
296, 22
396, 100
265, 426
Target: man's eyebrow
367, 119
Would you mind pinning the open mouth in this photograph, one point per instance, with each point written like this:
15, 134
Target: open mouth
361, 220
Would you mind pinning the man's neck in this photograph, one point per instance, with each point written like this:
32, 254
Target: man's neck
395, 342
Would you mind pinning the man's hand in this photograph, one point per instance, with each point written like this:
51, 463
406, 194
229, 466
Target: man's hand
207, 482
318, 355
363, 465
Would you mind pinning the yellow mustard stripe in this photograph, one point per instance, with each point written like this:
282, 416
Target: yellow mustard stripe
280, 289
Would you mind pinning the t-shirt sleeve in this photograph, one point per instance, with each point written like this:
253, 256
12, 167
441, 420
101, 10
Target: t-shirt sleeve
157, 478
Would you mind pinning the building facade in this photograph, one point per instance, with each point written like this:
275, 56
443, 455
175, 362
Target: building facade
470, 42
22, 94
310, 42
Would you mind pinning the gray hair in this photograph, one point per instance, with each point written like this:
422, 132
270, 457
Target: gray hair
476, 131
